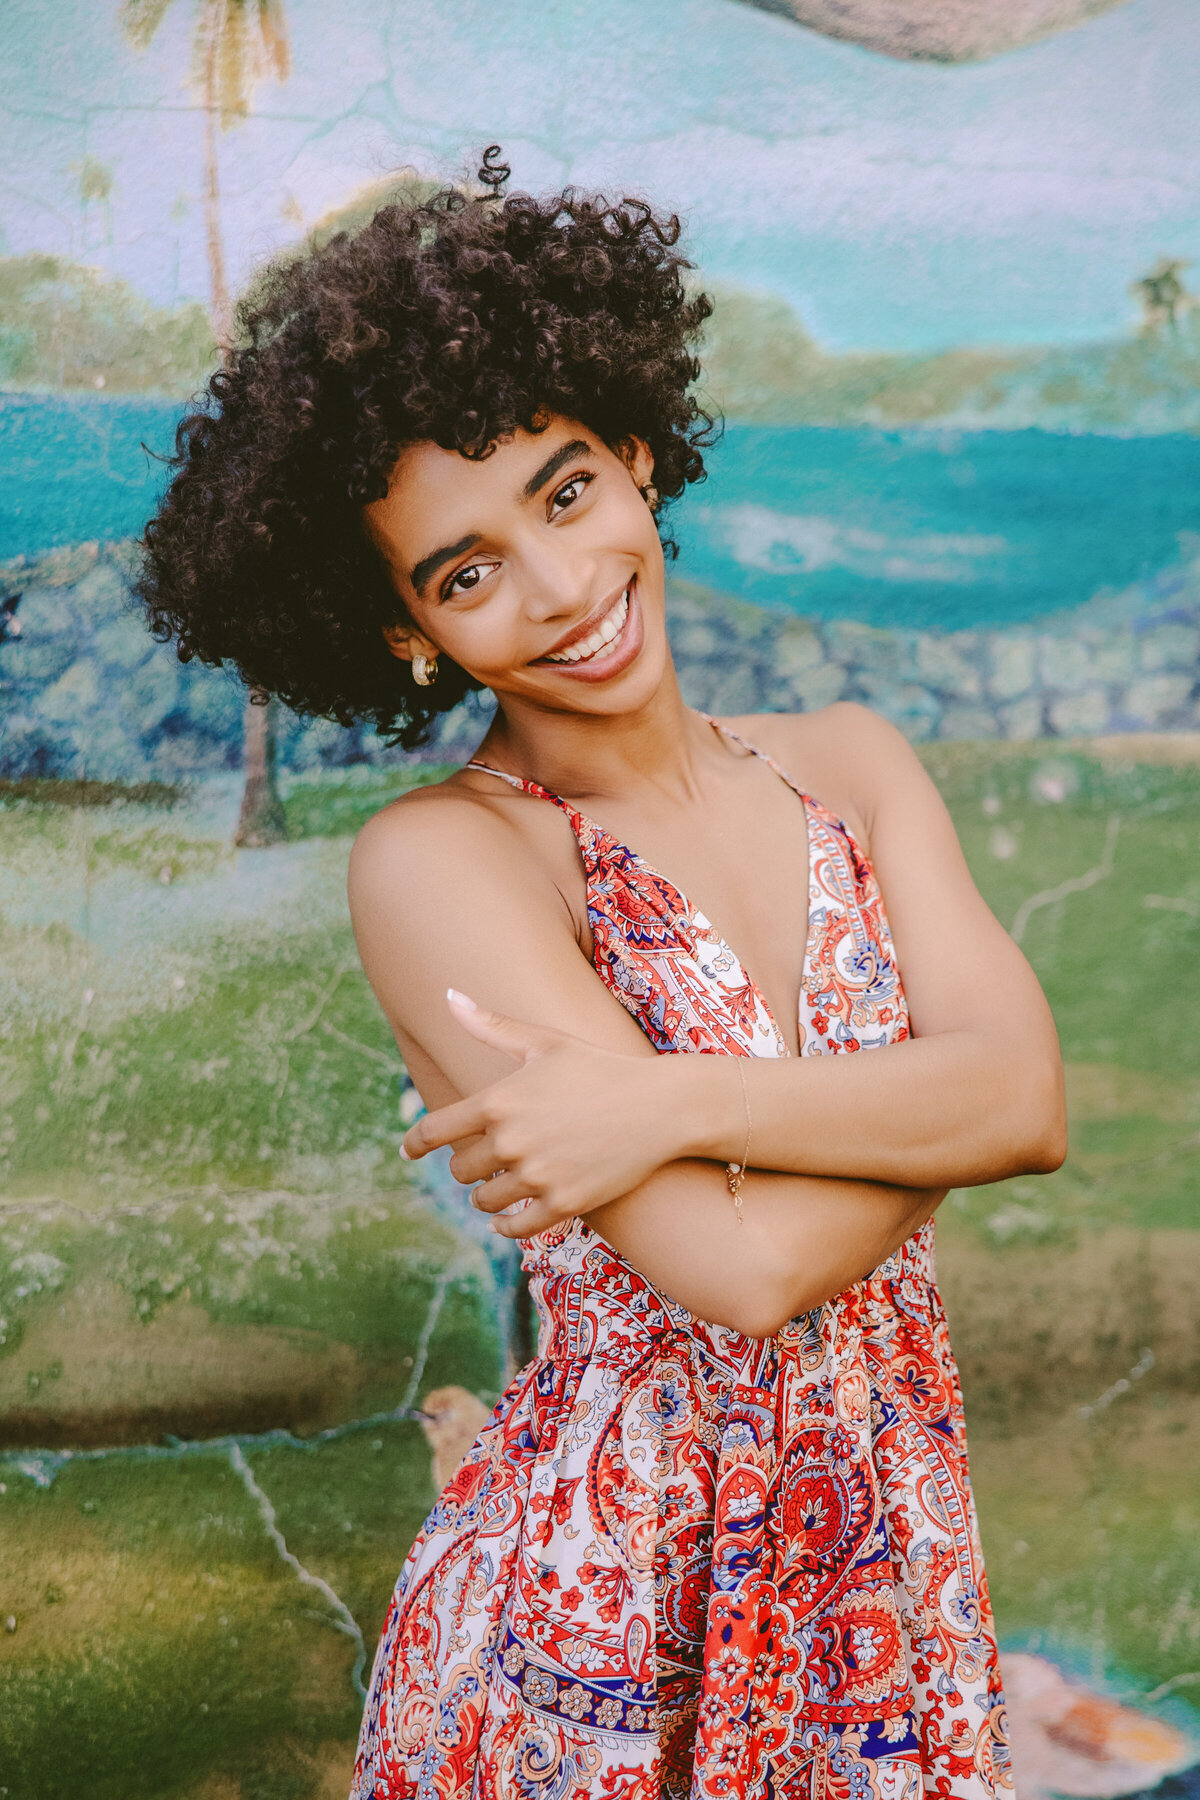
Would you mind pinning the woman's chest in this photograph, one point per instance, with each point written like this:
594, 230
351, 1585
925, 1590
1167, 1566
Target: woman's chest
832, 986
741, 881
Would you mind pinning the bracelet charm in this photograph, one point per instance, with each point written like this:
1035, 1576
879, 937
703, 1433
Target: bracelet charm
735, 1173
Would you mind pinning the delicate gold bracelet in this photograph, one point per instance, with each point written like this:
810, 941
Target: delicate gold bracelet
735, 1175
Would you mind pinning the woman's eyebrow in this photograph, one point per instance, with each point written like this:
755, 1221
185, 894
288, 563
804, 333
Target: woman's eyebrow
577, 447
429, 565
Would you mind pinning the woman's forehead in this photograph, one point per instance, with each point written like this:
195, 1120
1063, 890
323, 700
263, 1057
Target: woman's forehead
430, 484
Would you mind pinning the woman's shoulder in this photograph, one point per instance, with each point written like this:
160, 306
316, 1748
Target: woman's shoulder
456, 831
421, 814
845, 756
845, 727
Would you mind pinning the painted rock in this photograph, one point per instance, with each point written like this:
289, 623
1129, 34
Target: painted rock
451, 1419
1068, 1740
950, 31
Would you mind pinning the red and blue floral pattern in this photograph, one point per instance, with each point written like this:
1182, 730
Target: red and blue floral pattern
678, 1561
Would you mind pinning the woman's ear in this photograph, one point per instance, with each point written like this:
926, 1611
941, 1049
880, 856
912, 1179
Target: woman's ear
405, 642
638, 459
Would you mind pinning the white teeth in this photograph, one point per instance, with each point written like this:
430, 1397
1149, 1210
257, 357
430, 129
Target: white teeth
608, 629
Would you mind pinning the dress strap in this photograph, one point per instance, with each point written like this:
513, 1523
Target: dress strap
763, 757
516, 781
525, 785
533, 787
579, 823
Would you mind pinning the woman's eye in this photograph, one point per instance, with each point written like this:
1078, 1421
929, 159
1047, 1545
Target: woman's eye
569, 493
465, 580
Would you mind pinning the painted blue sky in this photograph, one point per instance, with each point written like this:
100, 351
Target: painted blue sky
896, 205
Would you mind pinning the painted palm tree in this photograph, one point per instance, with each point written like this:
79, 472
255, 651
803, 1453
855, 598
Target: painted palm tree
236, 45
94, 184
1162, 294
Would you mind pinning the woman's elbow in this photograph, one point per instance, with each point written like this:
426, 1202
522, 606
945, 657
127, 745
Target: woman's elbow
1050, 1150
1039, 1128
757, 1304
759, 1320
776, 1303
756, 1315
793, 1286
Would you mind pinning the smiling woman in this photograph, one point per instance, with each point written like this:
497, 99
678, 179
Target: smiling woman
448, 325
717, 1538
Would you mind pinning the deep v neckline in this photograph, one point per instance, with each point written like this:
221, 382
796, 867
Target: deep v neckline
612, 845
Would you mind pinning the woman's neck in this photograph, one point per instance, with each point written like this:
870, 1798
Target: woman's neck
589, 757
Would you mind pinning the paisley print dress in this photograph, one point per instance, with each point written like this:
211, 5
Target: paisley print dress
679, 1561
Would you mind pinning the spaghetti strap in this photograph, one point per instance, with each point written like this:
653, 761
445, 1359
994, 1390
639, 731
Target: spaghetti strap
524, 785
516, 781
534, 787
762, 755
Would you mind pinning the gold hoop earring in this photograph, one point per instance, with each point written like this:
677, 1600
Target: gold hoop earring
424, 670
649, 494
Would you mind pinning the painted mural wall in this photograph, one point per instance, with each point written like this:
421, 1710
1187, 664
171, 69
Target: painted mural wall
952, 247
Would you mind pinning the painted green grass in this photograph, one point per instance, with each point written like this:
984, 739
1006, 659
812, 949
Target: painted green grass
1090, 1528
230, 1062
233, 1086
153, 1639
1120, 963
253, 1311
156, 1636
338, 807
230, 1052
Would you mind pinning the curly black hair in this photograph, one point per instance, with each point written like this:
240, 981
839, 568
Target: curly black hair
455, 320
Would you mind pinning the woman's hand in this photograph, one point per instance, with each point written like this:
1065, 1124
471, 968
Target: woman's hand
574, 1126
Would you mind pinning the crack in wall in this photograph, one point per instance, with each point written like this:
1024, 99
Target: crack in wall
1142, 1366
1075, 884
421, 1353
309, 1023
42, 1466
343, 1620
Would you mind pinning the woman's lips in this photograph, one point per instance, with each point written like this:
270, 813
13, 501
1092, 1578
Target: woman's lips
613, 657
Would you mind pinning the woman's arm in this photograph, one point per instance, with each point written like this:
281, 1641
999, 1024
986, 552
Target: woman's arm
975, 1095
442, 890
802, 1239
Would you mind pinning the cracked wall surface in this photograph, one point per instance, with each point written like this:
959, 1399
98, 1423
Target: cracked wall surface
224, 1308
959, 486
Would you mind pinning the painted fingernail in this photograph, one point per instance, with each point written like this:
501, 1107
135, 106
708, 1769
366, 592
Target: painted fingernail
457, 999
404, 1156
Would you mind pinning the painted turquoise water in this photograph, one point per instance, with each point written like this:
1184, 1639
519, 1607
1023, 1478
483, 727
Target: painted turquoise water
72, 467
929, 528
936, 529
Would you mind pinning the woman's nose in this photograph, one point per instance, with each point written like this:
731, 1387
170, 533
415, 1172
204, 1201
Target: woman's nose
558, 585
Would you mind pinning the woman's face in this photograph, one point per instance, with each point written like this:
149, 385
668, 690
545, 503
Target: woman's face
538, 570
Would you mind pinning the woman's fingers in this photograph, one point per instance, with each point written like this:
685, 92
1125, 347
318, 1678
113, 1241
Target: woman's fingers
474, 1162
513, 1036
448, 1125
466, 1118
501, 1191
531, 1219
